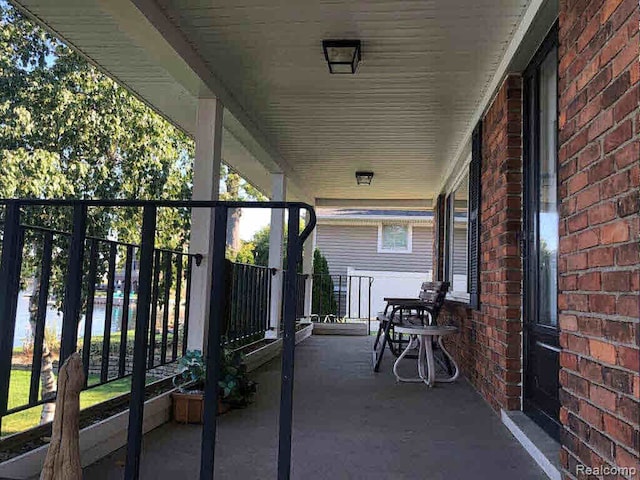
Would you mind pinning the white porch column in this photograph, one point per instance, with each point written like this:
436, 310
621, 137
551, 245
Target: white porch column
206, 186
307, 269
276, 250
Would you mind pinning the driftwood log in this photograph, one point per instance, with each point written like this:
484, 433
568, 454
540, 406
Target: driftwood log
63, 457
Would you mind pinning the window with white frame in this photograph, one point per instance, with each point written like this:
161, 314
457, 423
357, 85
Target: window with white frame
457, 237
394, 238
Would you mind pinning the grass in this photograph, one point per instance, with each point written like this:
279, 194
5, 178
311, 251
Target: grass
19, 394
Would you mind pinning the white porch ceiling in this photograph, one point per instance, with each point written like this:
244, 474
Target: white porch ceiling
426, 67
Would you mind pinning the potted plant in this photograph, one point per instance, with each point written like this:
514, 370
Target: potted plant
188, 401
235, 388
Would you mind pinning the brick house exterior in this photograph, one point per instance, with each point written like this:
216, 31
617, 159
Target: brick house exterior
489, 347
598, 264
599, 175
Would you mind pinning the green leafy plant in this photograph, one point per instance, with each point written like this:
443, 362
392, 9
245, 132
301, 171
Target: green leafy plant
236, 389
192, 373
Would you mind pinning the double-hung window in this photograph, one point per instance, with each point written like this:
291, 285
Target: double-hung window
394, 238
457, 237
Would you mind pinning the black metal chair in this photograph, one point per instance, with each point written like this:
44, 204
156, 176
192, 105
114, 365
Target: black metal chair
423, 310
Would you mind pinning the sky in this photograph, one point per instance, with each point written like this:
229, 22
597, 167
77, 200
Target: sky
252, 220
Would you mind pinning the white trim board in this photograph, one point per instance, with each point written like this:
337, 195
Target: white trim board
367, 220
540, 446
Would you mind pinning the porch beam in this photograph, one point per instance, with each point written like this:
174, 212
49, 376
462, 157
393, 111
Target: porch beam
412, 203
206, 186
276, 249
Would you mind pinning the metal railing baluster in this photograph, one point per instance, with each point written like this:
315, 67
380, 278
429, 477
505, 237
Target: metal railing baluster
41, 316
167, 277
359, 297
108, 314
136, 402
349, 278
10, 265
124, 325
369, 314
154, 311
176, 312
73, 289
88, 316
294, 255
339, 313
216, 319
244, 322
187, 305
252, 303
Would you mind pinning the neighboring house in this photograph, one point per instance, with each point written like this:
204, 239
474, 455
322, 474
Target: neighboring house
393, 247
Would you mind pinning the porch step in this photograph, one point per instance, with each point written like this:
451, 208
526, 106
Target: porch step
542, 448
340, 329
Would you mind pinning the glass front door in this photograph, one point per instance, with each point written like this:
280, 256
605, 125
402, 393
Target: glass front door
541, 334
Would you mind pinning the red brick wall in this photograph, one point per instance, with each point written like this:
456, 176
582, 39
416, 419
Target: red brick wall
488, 345
599, 179
498, 325
462, 345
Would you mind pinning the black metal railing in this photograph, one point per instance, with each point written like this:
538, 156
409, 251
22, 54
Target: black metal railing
249, 303
341, 298
302, 295
301, 281
160, 275
106, 351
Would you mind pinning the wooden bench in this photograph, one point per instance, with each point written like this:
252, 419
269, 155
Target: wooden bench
423, 310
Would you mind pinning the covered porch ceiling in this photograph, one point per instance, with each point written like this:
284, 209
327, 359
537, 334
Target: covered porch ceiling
427, 71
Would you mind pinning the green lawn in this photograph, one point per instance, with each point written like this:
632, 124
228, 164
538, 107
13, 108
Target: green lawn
19, 394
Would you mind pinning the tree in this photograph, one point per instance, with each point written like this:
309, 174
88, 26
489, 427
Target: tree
234, 187
68, 131
323, 296
260, 241
243, 255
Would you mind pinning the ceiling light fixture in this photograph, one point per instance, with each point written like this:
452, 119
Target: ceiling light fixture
342, 55
364, 178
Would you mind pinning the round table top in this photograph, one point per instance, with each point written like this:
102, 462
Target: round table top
426, 329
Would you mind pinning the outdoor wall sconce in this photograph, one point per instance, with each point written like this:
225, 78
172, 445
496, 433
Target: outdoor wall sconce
342, 55
364, 178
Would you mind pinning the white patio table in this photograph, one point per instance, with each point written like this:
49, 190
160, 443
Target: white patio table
422, 337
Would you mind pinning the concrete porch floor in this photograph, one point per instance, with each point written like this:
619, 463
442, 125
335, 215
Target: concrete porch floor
349, 423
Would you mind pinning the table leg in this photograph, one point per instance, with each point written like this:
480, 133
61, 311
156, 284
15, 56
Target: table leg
421, 359
410, 346
431, 368
453, 362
